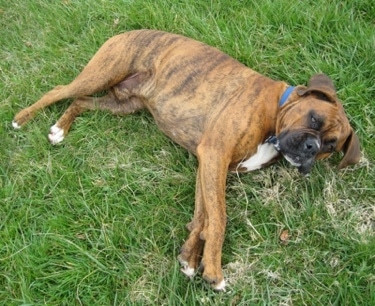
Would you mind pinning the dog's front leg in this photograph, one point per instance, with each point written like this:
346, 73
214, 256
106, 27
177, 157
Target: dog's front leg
213, 167
208, 225
191, 252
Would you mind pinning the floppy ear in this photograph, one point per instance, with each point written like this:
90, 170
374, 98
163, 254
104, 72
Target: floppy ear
322, 86
352, 151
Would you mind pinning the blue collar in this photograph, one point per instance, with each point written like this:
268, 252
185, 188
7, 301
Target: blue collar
286, 95
273, 139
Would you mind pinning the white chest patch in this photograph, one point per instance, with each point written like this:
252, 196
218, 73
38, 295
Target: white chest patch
264, 154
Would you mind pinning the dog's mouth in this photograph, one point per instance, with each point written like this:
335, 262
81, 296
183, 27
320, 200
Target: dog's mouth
298, 148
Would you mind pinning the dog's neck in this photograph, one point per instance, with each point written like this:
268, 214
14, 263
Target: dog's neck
286, 95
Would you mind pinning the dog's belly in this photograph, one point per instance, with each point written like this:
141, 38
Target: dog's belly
186, 129
265, 153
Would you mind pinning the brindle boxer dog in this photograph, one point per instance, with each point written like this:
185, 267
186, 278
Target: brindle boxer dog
229, 116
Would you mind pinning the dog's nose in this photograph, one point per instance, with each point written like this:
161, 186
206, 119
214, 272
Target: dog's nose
311, 146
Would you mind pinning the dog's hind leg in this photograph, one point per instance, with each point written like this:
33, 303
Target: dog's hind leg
109, 102
56, 94
122, 99
109, 66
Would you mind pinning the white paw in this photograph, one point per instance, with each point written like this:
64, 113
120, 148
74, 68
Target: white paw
16, 125
220, 286
56, 135
189, 272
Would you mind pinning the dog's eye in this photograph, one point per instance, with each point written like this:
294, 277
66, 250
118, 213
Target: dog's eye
329, 146
315, 121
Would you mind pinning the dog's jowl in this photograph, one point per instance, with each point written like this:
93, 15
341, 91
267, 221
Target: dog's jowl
229, 116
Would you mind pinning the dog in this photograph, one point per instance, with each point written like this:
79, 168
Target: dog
231, 117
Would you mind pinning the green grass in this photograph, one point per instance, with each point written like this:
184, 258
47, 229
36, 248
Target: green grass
99, 219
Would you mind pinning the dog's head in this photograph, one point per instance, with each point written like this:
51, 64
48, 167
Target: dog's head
312, 125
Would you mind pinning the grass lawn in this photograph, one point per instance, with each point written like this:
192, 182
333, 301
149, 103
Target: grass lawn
99, 219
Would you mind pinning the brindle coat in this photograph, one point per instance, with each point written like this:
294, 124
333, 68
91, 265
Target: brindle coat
216, 108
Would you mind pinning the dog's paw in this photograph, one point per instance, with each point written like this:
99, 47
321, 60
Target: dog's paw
15, 125
220, 286
216, 280
56, 135
186, 269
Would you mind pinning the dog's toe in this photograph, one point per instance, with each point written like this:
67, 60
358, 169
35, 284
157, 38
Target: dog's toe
220, 286
16, 125
216, 280
188, 271
56, 135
